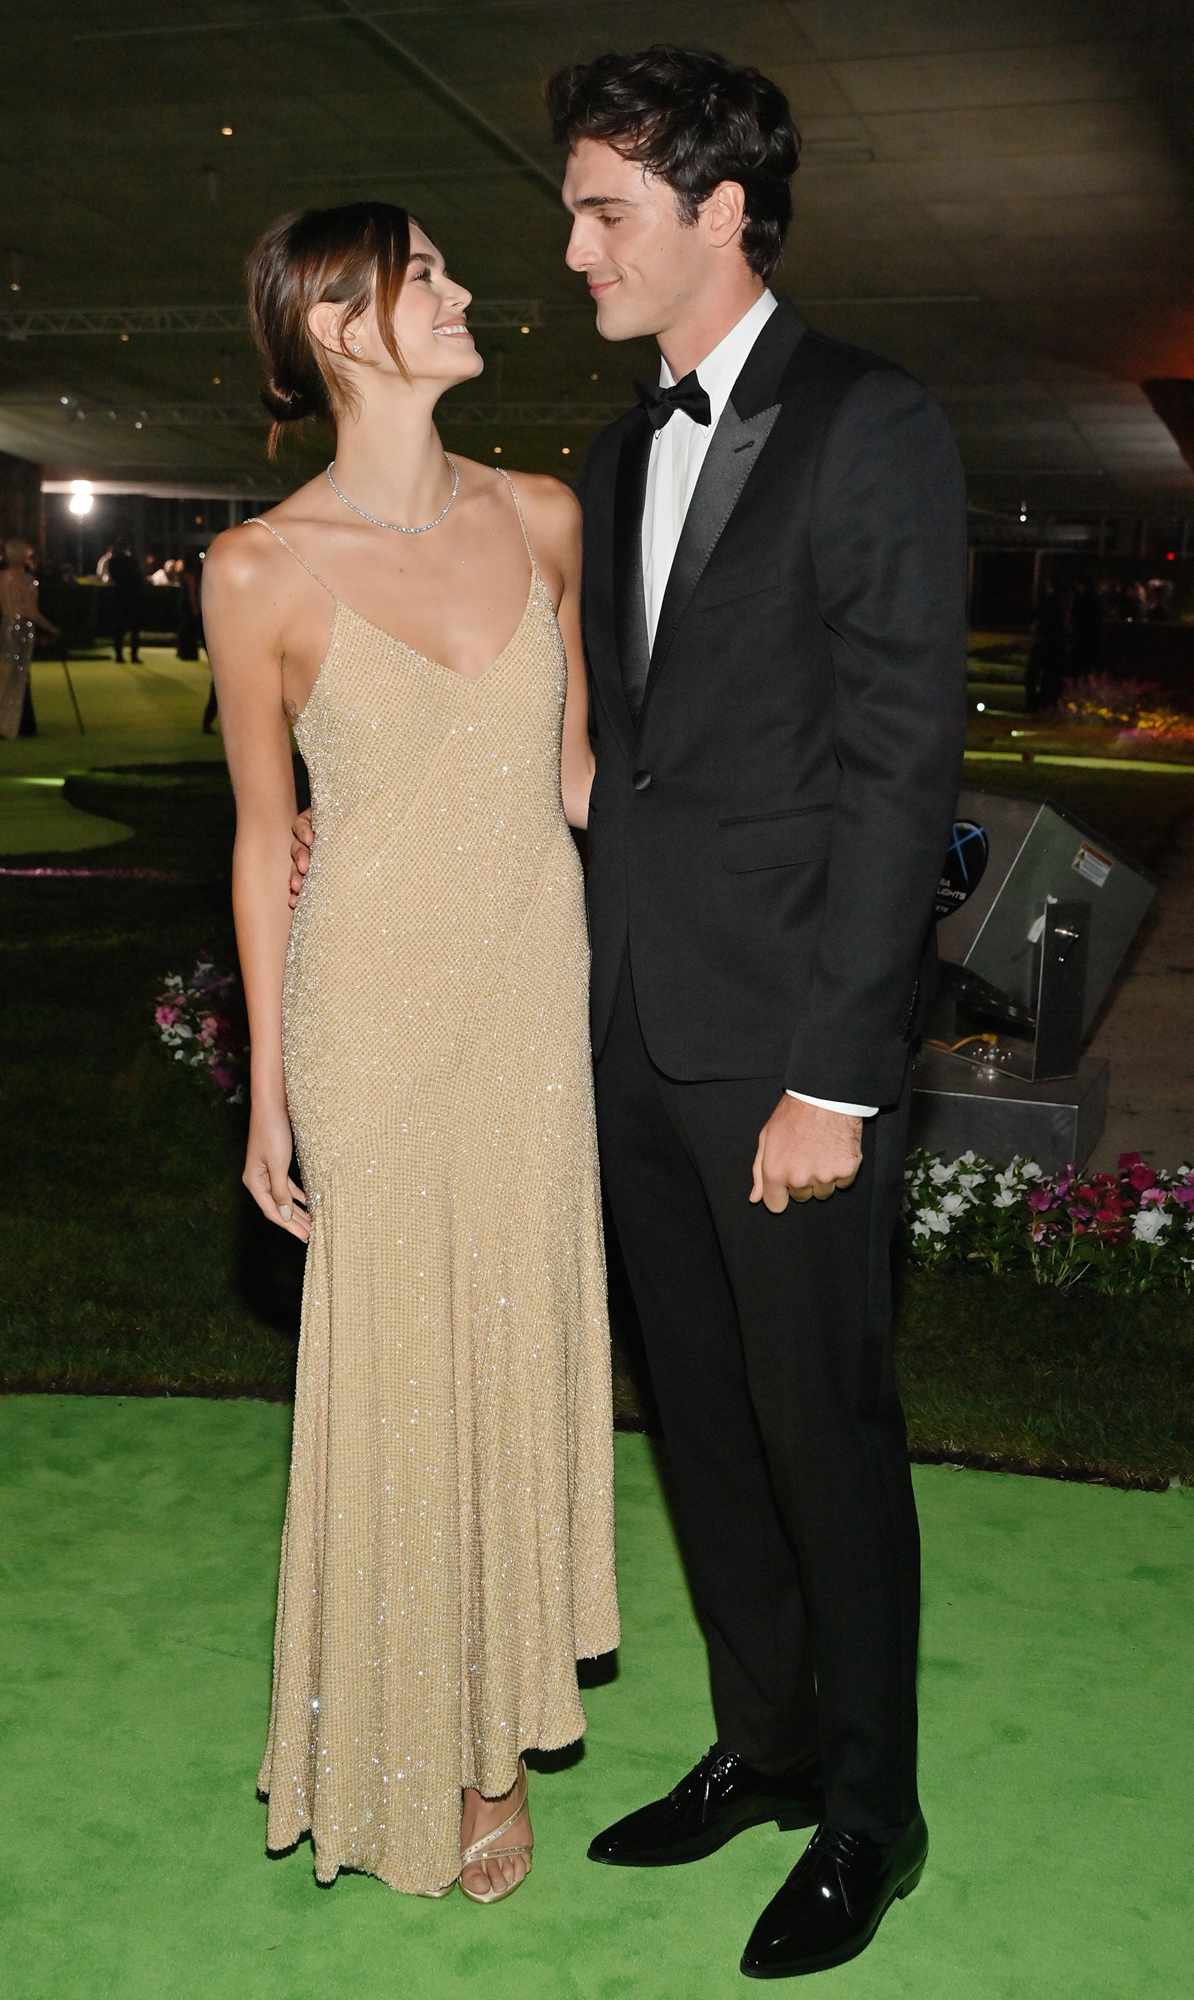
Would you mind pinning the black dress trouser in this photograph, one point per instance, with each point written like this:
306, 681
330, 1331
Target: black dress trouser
769, 1343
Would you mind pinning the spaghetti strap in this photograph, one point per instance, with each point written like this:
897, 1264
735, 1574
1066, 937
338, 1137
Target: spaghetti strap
501, 470
255, 521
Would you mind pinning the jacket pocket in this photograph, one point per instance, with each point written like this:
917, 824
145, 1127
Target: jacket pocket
776, 839
735, 583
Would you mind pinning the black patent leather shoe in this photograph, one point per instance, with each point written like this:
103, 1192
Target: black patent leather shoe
834, 1901
721, 1796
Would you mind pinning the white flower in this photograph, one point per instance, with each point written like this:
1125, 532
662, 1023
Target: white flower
1006, 1198
937, 1221
953, 1204
920, 1228
939, 1173
1149, 1224
967, 1159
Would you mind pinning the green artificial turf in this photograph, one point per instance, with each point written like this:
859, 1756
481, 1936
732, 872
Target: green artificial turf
140, 1562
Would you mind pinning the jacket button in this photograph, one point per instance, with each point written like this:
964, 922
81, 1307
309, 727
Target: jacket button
642, 779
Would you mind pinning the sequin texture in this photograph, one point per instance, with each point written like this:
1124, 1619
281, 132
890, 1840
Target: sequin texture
447, 1553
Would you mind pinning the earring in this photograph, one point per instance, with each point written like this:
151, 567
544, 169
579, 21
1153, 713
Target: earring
354, 348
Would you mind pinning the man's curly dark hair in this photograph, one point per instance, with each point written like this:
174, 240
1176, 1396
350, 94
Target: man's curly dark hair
692, 119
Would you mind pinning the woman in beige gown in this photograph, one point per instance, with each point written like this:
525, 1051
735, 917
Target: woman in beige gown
447, 1553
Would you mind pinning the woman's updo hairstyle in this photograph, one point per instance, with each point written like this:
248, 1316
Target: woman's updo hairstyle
355, 257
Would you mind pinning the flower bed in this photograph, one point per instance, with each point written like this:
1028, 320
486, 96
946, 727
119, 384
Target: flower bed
1126, 1233
1138, 710
200, 1021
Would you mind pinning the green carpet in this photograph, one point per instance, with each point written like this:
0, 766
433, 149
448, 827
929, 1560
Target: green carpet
139, 1566
150, 713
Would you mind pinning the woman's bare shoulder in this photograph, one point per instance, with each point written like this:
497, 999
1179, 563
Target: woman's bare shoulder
549, 494
552, 511
240, 558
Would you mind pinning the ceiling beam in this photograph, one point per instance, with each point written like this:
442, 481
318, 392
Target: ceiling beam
183, 415
38, 322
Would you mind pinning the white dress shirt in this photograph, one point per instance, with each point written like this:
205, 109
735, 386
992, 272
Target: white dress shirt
677, 455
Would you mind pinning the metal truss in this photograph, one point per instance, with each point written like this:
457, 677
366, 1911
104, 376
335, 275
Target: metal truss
232, 416
39, 322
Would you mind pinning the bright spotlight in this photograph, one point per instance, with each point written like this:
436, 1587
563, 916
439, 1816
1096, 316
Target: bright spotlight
82, 497
981, 707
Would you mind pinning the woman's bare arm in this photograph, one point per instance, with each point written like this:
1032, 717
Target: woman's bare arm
243, 621
559, 528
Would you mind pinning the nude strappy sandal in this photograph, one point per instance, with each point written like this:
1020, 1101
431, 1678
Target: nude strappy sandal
484, 1849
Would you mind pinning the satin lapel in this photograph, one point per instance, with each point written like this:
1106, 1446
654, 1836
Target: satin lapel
736, 445
630, 614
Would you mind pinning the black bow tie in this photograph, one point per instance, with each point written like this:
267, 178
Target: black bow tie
687, 395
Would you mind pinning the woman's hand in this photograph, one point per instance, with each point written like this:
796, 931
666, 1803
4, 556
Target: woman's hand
267, 1173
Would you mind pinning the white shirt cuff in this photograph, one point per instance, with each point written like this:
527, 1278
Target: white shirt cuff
831, 1104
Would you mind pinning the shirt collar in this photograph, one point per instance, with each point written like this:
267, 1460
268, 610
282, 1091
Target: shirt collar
719, 370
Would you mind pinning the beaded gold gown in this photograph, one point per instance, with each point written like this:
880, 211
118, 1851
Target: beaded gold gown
447, 1553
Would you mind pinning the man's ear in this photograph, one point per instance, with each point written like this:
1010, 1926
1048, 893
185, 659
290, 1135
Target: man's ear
723, 212
325, 324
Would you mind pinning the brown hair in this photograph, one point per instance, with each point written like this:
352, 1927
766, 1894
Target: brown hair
352, 256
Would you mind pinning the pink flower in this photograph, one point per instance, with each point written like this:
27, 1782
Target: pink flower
223, 1075
1153, 1197
1041, 1199
167, 1015
1141, 1177
1184, 1194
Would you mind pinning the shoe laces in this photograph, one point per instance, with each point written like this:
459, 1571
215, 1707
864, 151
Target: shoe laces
836, 1844
703, 1777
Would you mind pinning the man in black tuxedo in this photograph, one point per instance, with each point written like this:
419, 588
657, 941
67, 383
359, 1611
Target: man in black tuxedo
774, 564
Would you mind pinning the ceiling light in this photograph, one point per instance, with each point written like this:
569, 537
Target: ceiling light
981, 706
565, 451
225, 131
593, 377
524, 329
138, 425
216, 380
82, 497
14, 270
124, 337
498, 449
65, 401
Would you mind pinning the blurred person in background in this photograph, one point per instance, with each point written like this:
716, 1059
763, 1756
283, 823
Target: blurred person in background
190, 618
124, 581
20, 622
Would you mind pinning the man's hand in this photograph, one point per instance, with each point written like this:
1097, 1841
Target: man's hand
804, 1152
300, 853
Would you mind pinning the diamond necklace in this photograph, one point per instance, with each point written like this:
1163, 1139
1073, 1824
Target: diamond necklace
396, 527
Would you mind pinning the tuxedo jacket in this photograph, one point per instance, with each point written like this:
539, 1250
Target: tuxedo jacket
769, 823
